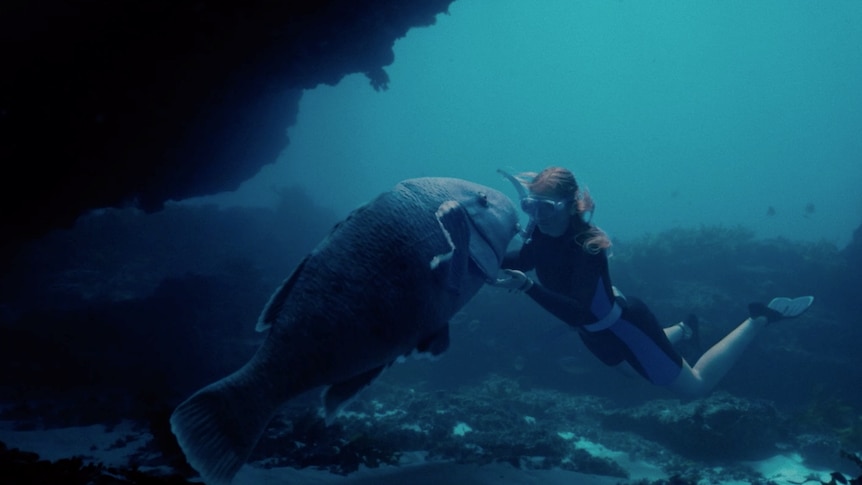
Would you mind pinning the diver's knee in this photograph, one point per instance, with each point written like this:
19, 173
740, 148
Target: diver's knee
689, 383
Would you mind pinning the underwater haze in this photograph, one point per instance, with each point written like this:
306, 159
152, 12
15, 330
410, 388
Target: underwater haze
721, 142
674, 114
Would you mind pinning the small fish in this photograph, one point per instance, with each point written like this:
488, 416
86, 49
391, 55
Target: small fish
770, 211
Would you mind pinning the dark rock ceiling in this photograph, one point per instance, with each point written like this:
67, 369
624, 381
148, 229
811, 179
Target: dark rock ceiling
106, 103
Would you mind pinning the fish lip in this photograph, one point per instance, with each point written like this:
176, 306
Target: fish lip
488, 243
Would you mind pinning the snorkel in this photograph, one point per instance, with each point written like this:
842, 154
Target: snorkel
522, 194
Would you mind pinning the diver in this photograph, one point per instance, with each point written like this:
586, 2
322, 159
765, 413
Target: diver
569, 256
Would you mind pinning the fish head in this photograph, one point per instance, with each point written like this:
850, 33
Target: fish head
493, 222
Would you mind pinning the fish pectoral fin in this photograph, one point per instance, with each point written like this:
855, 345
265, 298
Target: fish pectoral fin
451, 265
276, 302
340, 394
436, 344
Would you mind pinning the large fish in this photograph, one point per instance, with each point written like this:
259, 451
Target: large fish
383, 284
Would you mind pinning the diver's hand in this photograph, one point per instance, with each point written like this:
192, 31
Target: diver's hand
513, 280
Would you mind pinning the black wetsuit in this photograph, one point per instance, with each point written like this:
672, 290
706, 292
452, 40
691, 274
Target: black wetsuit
575, 286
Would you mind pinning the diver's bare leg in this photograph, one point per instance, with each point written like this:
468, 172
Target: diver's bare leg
715, 363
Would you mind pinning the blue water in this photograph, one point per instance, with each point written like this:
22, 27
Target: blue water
673, 113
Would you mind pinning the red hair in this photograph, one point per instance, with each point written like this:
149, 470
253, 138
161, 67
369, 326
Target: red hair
560, 183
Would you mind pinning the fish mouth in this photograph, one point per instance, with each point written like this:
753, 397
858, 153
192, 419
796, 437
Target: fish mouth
487, 256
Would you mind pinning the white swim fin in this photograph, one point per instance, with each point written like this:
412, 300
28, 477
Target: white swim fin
791, 307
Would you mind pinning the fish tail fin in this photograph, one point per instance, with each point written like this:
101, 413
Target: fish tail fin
218, 426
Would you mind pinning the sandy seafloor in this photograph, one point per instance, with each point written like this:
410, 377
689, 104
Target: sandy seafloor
114, 447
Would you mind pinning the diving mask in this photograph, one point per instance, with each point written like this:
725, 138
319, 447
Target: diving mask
542, 207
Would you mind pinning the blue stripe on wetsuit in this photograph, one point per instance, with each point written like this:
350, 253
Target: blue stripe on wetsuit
659, 367
601, 304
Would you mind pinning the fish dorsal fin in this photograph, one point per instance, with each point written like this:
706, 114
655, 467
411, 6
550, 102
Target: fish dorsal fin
276, 302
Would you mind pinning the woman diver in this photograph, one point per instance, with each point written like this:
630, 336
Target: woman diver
570, 258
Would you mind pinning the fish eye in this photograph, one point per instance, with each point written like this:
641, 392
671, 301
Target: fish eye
483, 199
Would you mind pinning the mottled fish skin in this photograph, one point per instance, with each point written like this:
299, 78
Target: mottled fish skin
383, 284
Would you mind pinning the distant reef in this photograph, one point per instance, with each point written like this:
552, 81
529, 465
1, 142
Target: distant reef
108, 104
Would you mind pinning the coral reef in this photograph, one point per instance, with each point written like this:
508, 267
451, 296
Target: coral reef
306, 441
718, 428
496, 421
